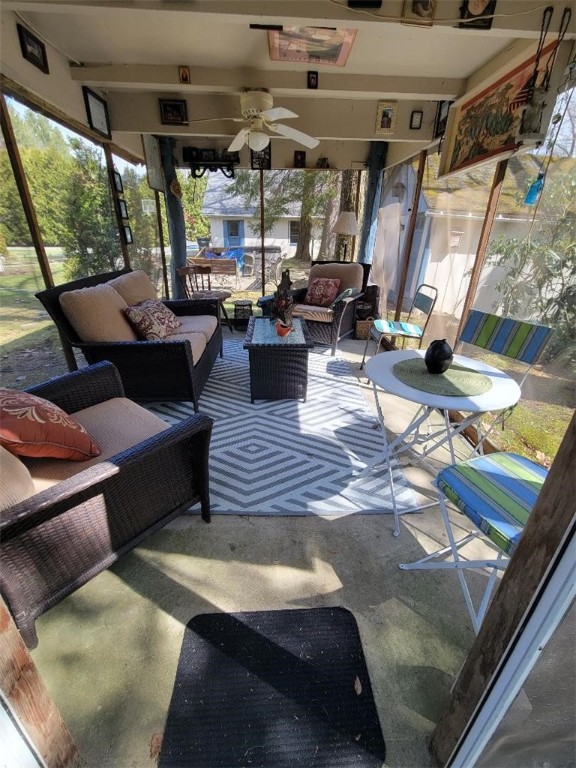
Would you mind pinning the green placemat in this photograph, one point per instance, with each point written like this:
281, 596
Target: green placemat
457, 381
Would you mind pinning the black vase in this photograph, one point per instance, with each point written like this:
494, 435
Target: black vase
438, 357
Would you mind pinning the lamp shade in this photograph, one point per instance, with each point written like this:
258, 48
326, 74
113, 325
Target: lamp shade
258, 140
346, 224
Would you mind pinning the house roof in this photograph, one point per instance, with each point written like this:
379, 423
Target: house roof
220, 200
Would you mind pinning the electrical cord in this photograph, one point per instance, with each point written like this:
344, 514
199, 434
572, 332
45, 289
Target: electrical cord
383, 17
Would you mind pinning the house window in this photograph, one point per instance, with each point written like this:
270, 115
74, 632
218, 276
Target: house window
455, 238
294, 228
233, 229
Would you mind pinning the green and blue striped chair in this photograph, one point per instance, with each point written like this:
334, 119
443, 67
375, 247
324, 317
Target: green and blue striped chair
422, 306
497, 492
515, 339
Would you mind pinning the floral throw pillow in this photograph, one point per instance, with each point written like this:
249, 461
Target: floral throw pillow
152, 320
322, 291
32, 426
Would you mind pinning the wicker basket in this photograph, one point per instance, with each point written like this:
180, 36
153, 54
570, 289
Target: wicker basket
362, 330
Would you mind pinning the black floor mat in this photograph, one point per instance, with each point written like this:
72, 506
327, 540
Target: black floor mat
272, 689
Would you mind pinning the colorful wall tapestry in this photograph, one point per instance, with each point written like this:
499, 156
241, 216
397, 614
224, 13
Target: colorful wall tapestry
487, 125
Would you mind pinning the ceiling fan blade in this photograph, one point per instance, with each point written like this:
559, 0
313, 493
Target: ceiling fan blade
277, 113
212, 119
293, 133
239, 140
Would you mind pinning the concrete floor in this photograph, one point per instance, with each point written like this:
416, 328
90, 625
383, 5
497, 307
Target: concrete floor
108, 653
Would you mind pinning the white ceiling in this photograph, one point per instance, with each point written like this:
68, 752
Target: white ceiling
133, 47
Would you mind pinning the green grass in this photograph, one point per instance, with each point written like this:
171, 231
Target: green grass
23, 320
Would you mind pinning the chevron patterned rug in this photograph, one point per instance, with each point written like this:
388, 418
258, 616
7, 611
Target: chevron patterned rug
286, 457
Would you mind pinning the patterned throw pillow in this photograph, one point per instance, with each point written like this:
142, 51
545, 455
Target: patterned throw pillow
152, 320
32, 426
322, 291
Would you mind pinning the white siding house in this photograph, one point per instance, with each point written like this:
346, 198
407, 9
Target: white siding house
233, 224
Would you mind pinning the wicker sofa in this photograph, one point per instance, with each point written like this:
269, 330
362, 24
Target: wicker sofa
62, 521
88, 314
327, 325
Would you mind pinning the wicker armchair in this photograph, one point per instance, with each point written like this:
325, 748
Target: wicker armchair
57, 539
339, 320
150, 370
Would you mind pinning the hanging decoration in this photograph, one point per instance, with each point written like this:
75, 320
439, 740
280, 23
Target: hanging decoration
534, 190
533, 106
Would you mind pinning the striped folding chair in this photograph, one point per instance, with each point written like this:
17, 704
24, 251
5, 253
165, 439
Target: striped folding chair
497, 493
504, 336
421, 310
515, 339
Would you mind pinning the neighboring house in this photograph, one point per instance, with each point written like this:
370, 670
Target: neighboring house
448, 227
233, 224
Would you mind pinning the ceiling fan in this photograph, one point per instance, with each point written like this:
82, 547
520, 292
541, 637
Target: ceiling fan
257, 108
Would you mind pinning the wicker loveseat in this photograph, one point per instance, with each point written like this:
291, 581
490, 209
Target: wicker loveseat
62, 522
89, 315
327, 325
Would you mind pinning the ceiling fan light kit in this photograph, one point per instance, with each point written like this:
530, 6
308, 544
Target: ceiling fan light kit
257, 140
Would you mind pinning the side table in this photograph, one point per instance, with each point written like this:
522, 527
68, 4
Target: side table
278, 364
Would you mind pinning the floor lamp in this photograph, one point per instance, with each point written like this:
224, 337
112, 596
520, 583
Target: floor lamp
347, 225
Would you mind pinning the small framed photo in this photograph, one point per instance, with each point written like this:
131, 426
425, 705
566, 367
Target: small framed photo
477, 14
441, 118
416, 120
33, 49
173, 112
123, 209
312, 80
97, 112
261, 161
118, 186
127, 234
184, 74
385, 118
419, 12
299, 159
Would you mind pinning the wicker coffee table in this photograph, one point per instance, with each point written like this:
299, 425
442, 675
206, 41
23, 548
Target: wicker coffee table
278, 364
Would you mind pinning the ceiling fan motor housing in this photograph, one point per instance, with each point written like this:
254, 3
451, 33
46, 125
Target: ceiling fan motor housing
252, 103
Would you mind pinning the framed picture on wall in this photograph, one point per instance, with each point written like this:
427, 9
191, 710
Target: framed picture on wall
416, 120
419, 12
33, 49
441, 118
385, 118
118, 186
173, 112
122, 208
128, 235
97, 112
477, 14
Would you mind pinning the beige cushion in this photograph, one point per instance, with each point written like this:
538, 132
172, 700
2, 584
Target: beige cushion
116, 425
311, 312
197, 342
205, 324
134, 287
96, 314
15, 480
350, 275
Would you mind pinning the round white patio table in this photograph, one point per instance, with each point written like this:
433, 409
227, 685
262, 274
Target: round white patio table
499, 392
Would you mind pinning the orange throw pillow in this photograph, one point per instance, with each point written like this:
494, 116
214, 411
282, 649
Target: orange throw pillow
322, 291
32, 426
